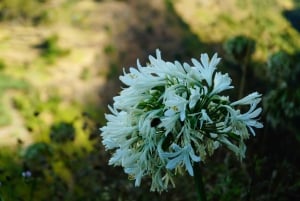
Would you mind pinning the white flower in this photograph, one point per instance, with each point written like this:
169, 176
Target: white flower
180, 155
204, 118
169, 69
175, 104
141, 79
194, 97
130, 78
137, 172
239, 151
249, 118
117, 130
168, 123
221, 83
206, 67
144, 124
171, 115
249, 99
117, 157
129, 98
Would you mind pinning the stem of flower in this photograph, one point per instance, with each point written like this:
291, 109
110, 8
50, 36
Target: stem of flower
244, 65
199, 182
32, 188
243, 80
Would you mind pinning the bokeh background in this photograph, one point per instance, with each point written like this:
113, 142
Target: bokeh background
59, 66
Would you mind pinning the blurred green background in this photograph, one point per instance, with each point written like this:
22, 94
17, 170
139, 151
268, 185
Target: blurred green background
59, 66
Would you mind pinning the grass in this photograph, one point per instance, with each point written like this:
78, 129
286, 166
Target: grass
8, 83
257, 19
5, 116
50, 49
25, 11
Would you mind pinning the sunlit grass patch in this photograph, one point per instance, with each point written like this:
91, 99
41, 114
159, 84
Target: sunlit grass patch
8, 83
261, 20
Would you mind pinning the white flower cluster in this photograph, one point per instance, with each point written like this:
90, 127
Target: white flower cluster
172, 115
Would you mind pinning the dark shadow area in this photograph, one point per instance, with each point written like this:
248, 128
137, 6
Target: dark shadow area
293, 16
275, 149
149, 25
270, 155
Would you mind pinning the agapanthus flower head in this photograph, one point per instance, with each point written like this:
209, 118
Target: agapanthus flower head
172, 115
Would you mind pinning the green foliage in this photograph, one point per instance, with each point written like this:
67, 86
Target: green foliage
50, 49
85, 74
5, 118
37, 153
282, 105
8, 83
28, 106
283, 69
282, 102
62, 132
30, 10
2, 65
109, 49
240, 48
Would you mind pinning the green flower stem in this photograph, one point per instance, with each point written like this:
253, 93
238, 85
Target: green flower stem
244, 65
243, 80
199, 182
32, 188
